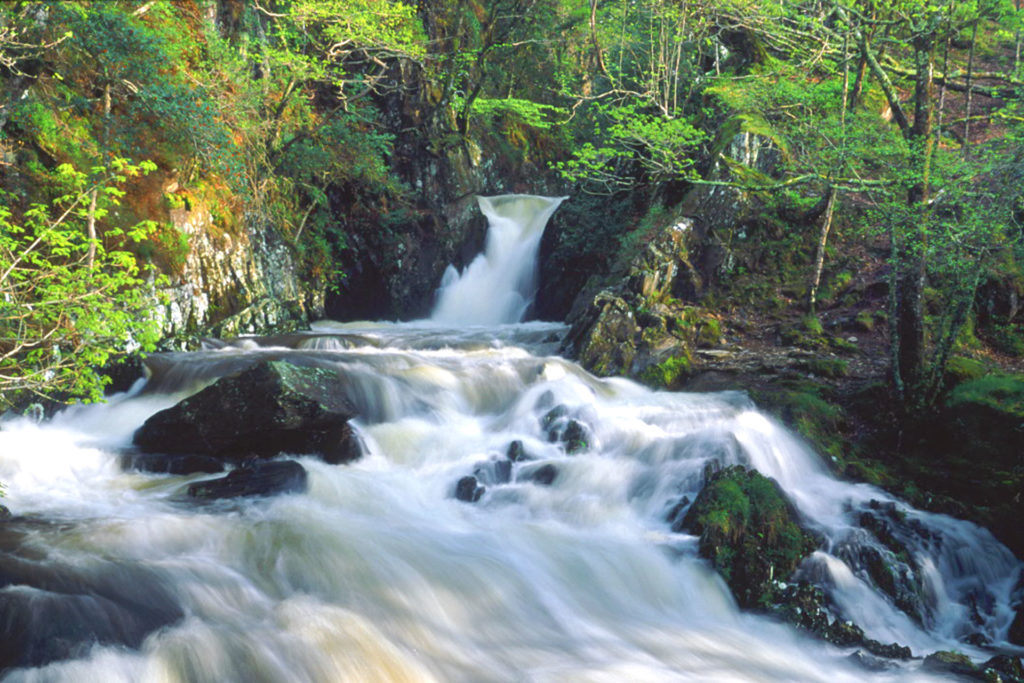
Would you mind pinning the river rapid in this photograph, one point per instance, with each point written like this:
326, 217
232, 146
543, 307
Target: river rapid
378, 573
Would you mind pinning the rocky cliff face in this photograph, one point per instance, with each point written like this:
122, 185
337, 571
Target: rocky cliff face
233, 282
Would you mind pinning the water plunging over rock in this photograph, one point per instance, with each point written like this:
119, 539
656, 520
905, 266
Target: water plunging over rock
499, 285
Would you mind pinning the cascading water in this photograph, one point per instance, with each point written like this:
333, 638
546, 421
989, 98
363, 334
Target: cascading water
377, 572
499, 285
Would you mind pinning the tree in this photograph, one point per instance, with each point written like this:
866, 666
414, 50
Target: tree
68, 302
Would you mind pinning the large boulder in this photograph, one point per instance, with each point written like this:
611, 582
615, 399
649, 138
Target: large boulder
270, 408
749, 531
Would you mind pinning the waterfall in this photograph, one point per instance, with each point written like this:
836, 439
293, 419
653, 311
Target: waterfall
499, 285
378, 572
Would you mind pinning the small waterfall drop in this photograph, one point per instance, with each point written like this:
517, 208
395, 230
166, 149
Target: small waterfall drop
499, 285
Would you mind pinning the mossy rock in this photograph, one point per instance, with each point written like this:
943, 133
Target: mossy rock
668, 373
749, 531
988, 413
269, 408
947, 661
828, 367
962, 369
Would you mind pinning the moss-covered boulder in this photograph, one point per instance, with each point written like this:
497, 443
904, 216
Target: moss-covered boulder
749, 531
976, 445
603, 336
991, 410
270, 408
949, 662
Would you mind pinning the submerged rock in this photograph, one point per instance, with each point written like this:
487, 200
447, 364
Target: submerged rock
544, 475
254, 478
270, 408
749, 531
171, 464
1016, 634
493, 471
469, 490
56, 608
517, 452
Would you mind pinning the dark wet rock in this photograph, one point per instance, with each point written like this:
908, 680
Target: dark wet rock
468, 489
949, 662
880, 553
892, 650
803, 605
554, 416
575, 437
54, 609
270, 408
887, 572
545, 400
603, 336
749, 531
517, 452
493, 472
870, 662
1016, 634
544, 475
254, 478
1008, 668
171, 464
675, 514
568, 431
844, 633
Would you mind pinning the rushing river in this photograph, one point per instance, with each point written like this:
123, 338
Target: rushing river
377, 572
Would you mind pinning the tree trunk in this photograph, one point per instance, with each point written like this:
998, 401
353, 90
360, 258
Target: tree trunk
911, 248
970, 73
819, 255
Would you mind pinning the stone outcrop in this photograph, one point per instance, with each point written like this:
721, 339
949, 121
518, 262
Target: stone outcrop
748, 530
644, 326
270, 408
237, 280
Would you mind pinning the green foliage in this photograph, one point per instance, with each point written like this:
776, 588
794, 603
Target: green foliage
526, 112
69, 302
631, 143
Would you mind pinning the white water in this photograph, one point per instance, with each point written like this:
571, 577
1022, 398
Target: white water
378, 574
499, 285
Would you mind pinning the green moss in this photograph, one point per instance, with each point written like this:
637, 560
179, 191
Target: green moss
865, 321
828, 367
748, 530
960, 369
667, 373
1002, 392
812, 325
